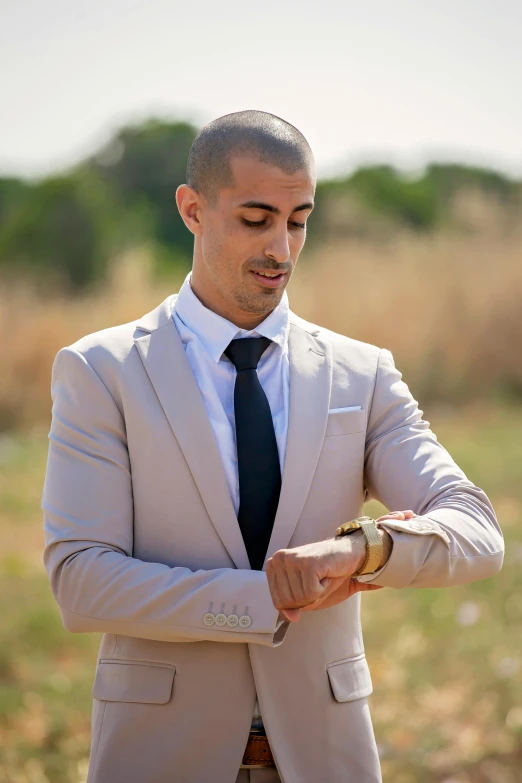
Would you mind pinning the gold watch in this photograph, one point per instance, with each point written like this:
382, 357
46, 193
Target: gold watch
374, 543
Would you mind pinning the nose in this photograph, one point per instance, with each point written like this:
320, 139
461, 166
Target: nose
278, 248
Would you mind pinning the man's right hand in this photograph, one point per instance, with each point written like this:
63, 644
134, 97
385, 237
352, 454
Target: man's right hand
319, 575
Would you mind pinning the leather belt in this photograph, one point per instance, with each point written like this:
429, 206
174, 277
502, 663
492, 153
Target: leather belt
257, 751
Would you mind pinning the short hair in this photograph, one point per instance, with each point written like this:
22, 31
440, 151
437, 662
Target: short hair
269, 138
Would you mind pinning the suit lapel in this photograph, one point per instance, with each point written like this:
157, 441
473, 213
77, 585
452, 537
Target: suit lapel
310, 383
168, 368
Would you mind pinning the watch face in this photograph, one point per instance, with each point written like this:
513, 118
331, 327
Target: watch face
349, 527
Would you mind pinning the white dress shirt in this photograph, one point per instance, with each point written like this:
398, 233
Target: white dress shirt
205, 335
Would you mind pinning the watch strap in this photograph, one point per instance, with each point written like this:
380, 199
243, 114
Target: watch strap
374, 548
374, 542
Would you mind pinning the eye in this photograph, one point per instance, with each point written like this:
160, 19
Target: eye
297, 225
254, 223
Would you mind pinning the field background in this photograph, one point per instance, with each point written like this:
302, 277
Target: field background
431, 271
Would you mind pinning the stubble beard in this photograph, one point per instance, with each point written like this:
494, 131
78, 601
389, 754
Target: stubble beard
260, 302
257, 303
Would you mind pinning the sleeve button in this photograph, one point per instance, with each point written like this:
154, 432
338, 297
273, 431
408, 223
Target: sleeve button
232, 620
209, 618
245, 621
221, 619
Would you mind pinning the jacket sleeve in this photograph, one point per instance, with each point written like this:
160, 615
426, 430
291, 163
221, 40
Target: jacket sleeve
88, 523
454, 537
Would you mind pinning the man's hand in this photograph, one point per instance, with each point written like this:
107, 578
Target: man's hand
318, 575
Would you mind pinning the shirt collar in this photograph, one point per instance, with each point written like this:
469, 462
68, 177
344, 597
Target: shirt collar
215, 332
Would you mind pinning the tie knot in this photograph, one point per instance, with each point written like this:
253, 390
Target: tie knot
245, 352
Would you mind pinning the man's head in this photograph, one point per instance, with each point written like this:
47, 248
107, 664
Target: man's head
250, 188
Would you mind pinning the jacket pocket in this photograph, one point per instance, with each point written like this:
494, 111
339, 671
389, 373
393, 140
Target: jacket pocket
345, 423
137, 681
350, 678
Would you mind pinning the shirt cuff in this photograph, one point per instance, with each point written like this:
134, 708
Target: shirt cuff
419, 525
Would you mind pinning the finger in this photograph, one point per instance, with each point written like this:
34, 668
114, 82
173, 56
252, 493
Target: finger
272, 584
295, 584
313, 588
331, 585
341, 593
362, 587
292, 615
284, 593
345, 591
392, 515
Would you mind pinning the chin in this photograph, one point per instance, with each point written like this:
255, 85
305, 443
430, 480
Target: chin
259, 303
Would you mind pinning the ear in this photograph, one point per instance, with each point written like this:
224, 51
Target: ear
189, 205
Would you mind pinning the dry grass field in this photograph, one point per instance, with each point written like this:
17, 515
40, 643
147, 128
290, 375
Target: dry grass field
446, 664
449, 307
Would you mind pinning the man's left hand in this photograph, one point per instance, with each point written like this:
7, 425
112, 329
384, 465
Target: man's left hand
319, 575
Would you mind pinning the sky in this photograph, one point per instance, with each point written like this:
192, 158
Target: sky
366, 81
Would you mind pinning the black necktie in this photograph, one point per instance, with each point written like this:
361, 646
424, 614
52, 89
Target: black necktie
257, 454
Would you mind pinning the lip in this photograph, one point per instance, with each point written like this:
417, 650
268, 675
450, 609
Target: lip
269, 282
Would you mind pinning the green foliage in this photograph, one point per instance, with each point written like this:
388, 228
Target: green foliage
445, 179
384, 190
11, 192
145, 165
66, 228
60, 228
376, 196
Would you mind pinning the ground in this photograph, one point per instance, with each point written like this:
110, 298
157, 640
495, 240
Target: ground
446, 664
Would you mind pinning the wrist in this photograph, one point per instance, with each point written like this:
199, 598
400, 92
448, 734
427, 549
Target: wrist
356, 544
360, 548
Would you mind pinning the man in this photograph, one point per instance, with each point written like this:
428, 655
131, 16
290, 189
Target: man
201, 460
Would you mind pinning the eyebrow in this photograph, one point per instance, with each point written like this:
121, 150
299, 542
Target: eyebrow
270, 208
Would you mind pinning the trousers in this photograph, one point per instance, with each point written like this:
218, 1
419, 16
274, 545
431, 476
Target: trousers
266, 775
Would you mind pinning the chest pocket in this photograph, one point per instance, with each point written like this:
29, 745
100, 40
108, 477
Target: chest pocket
345, 423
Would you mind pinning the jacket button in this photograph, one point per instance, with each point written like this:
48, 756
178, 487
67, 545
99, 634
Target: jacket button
245, 621
221, 619
232, 620
209, 618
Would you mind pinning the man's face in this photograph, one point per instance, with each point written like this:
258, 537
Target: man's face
256, 226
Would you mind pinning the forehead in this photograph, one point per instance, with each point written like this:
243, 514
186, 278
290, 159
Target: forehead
254, 180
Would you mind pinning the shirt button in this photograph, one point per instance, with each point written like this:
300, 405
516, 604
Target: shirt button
209, 618
245, 621
221, 619
232, 620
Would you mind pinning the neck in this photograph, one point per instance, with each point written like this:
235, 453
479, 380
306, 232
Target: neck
238, 317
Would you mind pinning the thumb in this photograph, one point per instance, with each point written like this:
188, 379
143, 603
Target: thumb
362, 587
292, 615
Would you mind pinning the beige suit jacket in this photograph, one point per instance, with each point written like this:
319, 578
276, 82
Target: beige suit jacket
142, 541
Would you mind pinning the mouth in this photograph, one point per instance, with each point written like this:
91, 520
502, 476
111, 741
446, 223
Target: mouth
268, 278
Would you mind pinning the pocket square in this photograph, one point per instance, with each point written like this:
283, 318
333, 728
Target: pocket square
345, 410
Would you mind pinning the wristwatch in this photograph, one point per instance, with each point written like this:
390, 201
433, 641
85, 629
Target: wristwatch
374, 544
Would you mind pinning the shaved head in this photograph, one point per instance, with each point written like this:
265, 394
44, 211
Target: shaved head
249, 193
259, 134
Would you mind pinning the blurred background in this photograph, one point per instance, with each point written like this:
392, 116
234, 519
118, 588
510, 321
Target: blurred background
415, 116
